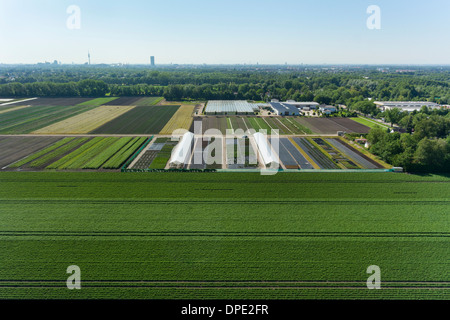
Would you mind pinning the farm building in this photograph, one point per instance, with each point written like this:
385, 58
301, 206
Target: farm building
408, 106
230, 107
284, 109
303, 105
327, 109
265, 151
182, 150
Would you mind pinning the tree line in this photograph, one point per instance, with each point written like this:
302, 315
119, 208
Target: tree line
348, 86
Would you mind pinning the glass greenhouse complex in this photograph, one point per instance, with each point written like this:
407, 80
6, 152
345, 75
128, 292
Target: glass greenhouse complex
227, 107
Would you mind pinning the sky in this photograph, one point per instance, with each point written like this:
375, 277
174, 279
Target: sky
225, 31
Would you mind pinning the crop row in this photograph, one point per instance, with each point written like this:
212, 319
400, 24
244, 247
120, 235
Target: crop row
318, 156
79, 157
16, 122
41, 153
106, 154
124, 153
57, 153
163, 156
182, 119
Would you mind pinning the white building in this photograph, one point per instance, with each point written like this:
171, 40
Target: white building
301, 105
327, 109
265, 151
182, 151
408, 106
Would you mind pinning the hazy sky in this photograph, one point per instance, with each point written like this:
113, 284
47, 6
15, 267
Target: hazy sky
226, 31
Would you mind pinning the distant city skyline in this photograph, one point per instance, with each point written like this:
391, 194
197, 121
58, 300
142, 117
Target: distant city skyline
225, 32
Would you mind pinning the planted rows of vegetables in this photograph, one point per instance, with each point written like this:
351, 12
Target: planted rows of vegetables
214, 236
83, 153
37, 117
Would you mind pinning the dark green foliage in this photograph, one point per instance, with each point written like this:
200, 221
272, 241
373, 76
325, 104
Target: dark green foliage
217, 235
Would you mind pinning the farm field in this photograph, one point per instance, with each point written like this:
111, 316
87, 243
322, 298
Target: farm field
292, 156
85, 122
316, 154
162, 158
139, 120
97, 102
11, 108
369, 123
284, 125
182, 119
146, 102
332, 125
241, 154
218, 123
37, 117
219, 236
13, 149
126, 101
351, 152
72, 153
59, 102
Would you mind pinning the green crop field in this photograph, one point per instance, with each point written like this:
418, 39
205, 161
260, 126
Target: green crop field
369, 123
97, 102
145, 102
224, 235
37, 117
140, 120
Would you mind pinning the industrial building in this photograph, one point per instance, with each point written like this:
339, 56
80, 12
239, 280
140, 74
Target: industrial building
230, 107
304, 105
408, 106
284, 109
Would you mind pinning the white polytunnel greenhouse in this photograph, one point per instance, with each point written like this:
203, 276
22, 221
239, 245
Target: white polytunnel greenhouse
265, 151
182, 150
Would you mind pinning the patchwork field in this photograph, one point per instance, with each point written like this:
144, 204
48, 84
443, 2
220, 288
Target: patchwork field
60, 102
11, 108
85, 122
284, 125
127, 101
37, 117
224, 235
97, 102
80, 153
332, 125
146, 102
139, 120
13, 149
369, 123
182, 119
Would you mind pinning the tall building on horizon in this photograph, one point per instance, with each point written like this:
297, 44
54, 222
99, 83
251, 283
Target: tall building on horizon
152, 61
89, 57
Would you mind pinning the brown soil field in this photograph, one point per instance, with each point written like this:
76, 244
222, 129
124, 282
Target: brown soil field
332, 125
125, 101
13, 149
63, 102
